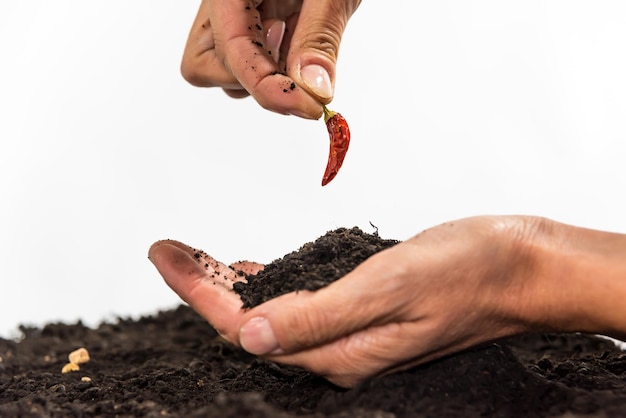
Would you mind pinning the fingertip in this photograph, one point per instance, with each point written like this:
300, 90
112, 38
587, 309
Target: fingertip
153, 249
248, 267
169, 250
173, 261
281, 94
274, 38
312, 113
201, 282
156, 250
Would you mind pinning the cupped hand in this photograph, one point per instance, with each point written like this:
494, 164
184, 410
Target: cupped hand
282, 52
446, 289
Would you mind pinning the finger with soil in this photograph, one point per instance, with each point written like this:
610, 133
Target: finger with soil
201, 281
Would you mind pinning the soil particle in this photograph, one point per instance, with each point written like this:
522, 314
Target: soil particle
173, 364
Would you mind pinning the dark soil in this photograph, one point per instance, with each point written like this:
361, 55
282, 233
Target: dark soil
315, 265
173, 364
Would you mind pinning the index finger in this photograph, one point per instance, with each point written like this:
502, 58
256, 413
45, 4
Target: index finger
201, 281
239, 43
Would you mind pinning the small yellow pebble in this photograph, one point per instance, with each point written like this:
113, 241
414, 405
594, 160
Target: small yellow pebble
70, 367
85, 379
79, 356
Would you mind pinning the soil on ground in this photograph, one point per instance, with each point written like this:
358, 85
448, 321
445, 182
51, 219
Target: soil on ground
173, 364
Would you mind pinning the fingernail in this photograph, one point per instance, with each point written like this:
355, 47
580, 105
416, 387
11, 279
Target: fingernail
317, 79
256, 337
274, 38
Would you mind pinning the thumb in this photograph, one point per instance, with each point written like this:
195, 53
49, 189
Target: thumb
302, 320
314, 45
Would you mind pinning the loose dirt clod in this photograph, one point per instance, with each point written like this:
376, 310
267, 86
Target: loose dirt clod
76, 357
79, 356
70, 367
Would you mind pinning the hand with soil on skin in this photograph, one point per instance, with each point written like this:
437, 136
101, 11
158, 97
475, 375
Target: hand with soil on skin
448, 288
282, 52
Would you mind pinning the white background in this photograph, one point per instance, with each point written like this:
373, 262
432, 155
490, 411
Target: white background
456, 108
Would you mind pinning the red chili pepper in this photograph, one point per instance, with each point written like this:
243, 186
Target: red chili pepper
339, 133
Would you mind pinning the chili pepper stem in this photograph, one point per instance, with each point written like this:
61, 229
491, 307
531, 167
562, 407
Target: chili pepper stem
328, 113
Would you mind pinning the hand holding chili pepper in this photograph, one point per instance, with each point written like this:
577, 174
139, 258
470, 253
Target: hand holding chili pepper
282, 52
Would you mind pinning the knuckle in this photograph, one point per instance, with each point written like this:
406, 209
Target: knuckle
193, 75
303, 328
325, 41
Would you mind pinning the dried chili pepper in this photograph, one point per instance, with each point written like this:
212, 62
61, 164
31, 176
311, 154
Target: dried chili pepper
339, 133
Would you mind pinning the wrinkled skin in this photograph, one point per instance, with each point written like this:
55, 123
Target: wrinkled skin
448, 288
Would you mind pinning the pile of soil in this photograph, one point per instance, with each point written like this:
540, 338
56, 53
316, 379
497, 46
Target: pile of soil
173, 364
315, 265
